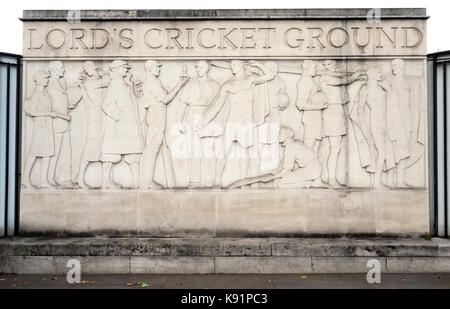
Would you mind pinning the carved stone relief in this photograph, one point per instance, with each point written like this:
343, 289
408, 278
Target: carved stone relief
224, 124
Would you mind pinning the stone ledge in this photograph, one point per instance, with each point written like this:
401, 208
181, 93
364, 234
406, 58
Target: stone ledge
361, 13
225, 247
219, 265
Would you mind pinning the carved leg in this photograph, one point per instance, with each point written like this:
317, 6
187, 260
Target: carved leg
54, 159
80, 179
335, 147
44, 170
324, 151
107, 183
401, 174
147, 167
135, 172
244, 162
26, 182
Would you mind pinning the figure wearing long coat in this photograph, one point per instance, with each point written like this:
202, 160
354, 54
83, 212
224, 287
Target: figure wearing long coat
122, 130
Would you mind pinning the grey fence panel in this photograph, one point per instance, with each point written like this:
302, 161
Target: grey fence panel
438, 96
10, 107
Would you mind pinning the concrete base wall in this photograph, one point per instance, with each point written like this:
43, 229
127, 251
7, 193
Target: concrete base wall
223, 255
234, 213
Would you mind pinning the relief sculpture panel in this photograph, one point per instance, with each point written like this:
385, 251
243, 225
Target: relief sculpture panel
224, 123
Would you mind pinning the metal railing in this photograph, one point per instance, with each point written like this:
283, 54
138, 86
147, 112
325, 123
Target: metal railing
10, 142
439, 139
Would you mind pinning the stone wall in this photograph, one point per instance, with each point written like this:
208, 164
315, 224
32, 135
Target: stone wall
225, 123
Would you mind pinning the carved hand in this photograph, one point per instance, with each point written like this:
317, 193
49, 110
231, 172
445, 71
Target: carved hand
182, 127
184, 79
254, 63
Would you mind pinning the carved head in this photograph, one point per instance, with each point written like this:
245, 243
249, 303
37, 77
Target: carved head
397, 66
236, 66
119, 67
330, 65
374, 74
202, 68
56, 68
272, 66
153, 67
285, 134
41, 78
90, 68
309, 67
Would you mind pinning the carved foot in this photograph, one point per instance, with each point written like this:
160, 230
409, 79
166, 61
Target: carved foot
255, 185
153, 186
109, 185
69, 186
335, 184
318, 183
402, 185
45, 185
27, 185
380, 186
82, 184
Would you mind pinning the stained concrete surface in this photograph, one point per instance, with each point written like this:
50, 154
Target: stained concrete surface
294, 281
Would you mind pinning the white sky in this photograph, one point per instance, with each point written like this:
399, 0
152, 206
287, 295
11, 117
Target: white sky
11, 10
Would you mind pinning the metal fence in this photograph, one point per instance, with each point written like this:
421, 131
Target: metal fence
439, 137
10, 119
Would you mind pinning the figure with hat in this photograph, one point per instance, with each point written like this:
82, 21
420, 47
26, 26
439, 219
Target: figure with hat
42, 144
122, 138
155, 101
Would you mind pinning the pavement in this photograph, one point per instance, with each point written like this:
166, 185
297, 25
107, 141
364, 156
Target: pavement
216, 281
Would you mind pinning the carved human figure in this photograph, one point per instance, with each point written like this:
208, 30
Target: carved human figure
310, 102
242, 112
42, 144
92, 84
194, 98
299, 167
374, 96
57, 91
333, 117
155, 100
268, 132
122, 139
405, 120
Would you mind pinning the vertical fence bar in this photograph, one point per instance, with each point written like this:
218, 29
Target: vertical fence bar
18, 167
431, 139
439, 90
446, 87
3, 146
10, 107
440, 151
12, 150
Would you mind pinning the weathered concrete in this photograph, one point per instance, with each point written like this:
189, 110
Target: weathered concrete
222, 255
398, 13
262, 281
214, 213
